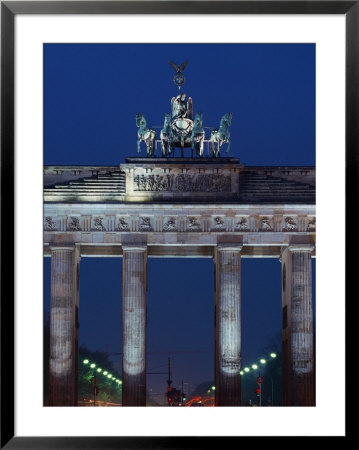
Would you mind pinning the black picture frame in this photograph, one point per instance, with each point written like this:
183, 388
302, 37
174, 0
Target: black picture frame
9, 9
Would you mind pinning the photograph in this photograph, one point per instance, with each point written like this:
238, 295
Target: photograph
176, 179
179, 224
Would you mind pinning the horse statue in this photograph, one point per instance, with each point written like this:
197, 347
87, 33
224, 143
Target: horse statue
197, 135
166, 136
148, 135
221, 135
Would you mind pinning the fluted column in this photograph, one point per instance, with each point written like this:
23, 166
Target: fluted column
64, 326
228, 325
298, 361
134, 324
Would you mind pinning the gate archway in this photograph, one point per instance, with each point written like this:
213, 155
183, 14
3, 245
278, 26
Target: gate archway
186, 207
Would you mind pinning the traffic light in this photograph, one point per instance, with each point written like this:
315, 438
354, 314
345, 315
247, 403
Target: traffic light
173, 397
169, 398
257, 391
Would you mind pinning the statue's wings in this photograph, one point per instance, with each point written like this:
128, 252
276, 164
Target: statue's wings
190, 108
173, 106
173, 65
183, 66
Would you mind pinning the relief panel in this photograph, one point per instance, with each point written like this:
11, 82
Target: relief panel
122, 223
169, 224
241, 223
290, 223
218, 223
193, 224
183, 182
265, 223
73, 223
311, 223
98, 223
145, 224
50, 224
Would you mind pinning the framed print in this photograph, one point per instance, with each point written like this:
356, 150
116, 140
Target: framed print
172, 176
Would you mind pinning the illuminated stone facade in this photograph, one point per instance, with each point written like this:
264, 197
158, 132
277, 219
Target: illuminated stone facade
201, 207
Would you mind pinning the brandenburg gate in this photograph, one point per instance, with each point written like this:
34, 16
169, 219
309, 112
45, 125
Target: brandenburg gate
182, 206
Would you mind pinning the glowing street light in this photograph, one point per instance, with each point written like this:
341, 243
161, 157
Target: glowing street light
254, 366
262, 361
273, 355
104, 372
247, 369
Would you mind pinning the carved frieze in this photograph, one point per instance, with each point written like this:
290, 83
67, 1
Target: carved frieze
170, 224
311, 224
290, 224
265, 224
218, 224
73, 224
241, 224
145, 224
193, 224
98, 224
50, 224
183, 182
122, 224
202, 221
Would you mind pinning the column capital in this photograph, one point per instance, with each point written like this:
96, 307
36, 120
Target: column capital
62, 247
295, 248
134, 248
229, 247
301, 248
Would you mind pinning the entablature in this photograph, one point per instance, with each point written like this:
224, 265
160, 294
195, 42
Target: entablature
180, 250
178, 218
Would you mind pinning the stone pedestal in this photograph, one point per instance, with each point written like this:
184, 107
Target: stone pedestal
228, 325
64, 326
134, 324
297, 327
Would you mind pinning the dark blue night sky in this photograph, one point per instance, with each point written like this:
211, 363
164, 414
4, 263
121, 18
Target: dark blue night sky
92, 93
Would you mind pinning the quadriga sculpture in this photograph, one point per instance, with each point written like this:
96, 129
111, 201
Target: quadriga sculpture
166, 136
221, 135
197, 134
148, 135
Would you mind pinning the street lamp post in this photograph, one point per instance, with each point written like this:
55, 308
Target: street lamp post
272, 355
271, 379
260, 379
94, 385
